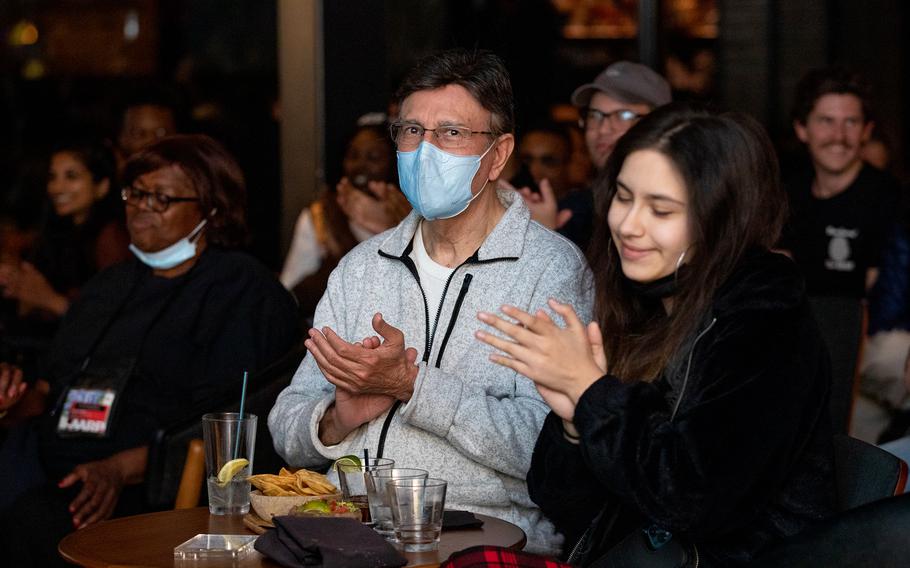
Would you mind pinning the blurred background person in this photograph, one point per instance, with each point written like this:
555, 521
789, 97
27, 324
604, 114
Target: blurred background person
365, 202
608, 107
83, 232
544, 152
877, 151
147, 116
842, 209
611, 104
168, 334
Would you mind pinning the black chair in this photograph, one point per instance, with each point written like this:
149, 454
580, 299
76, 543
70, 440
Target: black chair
168, 452
876, 534
872, 526
842, 323
865, 473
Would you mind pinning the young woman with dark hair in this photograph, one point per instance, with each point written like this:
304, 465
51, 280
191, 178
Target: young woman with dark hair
698, 417
83, 231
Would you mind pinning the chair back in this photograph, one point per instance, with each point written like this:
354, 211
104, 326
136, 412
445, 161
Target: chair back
193, 474
168, 454
872, 535
865, 473
842, 323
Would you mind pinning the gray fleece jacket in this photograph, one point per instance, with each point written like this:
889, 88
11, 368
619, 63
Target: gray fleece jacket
469, 421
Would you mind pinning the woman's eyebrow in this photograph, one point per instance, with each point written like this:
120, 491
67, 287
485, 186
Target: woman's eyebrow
651, 196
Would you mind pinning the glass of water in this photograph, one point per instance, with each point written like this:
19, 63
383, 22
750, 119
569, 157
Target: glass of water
417, 506
229, 441
352, 480
378, 495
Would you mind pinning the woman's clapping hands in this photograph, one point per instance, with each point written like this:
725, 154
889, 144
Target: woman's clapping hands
562, 361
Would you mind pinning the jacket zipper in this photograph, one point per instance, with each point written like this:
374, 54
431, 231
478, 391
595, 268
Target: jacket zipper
455, 311
406, 260
584, 537
685, 383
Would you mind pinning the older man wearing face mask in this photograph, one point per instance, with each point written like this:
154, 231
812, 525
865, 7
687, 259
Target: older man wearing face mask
393, 365
150, 343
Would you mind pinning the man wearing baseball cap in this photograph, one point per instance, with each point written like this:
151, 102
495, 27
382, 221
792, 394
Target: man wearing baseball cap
609, 106
614, 101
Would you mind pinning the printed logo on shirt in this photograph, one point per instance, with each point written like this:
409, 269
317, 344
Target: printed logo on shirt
840, 249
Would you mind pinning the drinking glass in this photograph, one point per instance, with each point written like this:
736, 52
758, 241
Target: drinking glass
352, 480
417, 506
377, 493
228, 437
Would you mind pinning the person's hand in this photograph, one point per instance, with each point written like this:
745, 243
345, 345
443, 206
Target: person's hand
102, 482
385, 369
9, 279
565, 360
12, 387
558, 402
543, 206
376, 210
26, 284
368, 375
394, 202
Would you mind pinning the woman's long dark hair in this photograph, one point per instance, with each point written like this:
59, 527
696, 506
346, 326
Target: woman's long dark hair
735, 204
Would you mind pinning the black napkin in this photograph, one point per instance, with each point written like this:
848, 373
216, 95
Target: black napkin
327, 542
452, 519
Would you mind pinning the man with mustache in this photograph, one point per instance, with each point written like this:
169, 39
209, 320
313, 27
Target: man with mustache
842, 212
841, 208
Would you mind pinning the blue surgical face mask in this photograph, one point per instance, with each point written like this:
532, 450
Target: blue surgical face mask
437, 183
174, 255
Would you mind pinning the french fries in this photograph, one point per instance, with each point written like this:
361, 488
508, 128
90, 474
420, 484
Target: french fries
290, 483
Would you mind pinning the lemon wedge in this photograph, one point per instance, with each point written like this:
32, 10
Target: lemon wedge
347, 463
230, 470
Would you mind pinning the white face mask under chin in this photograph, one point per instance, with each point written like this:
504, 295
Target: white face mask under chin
173, 255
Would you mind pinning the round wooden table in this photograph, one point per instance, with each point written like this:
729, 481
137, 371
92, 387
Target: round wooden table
149, 540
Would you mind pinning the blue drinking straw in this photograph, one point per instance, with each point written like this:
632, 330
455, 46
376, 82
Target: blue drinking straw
240, 423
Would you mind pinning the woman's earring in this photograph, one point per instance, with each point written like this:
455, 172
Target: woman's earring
680, 260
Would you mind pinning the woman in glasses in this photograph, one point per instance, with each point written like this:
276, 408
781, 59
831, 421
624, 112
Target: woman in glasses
83, 233
150, 343
691, 417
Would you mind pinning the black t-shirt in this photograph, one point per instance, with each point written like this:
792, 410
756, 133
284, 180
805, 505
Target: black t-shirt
192, 337
834, 241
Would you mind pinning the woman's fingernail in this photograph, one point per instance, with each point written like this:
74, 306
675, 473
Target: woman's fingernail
480, 334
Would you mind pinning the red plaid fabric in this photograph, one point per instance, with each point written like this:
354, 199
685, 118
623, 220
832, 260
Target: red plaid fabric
497, 557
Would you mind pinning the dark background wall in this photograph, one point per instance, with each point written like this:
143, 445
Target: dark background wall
221, 56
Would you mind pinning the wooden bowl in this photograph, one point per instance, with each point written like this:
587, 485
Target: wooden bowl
267, 506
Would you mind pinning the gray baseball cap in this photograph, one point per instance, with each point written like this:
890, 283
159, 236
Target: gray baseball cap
628, 82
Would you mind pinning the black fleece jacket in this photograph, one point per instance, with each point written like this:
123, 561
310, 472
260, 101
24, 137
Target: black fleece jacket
747, 457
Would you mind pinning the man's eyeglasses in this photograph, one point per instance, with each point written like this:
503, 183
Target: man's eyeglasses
595, 118
408, 135
157, 202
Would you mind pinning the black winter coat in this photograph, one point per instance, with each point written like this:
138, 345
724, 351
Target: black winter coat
747, 457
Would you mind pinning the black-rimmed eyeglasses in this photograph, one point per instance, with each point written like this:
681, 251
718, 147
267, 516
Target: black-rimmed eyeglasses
157, 202
595, 118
